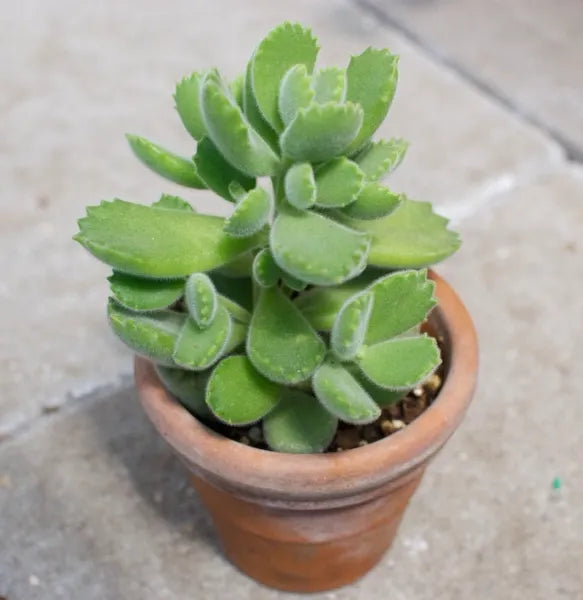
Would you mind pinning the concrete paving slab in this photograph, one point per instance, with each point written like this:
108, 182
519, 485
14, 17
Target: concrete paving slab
94, 506
82, 74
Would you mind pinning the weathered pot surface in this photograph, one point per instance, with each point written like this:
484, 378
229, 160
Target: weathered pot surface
308, 523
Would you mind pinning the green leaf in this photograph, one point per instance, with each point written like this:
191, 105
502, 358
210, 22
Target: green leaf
381, 396
401, 363
152, 335
187, 98
299, 424
155, 243
201, 299
373, 202
300, 186
321, 131
293, 282
188, 387
285, 46
236, 87
265, 270
411, 237
340, 393
401, 301
232, 134
239, 268
237, 337
240, 290
216, 172
237, 312
381, 158
169, 202
145, 294
237, 394
371, 82
250, 215
350, 326
198, 348
338, 183
295, 92
329, 85
281, 343
166, 163
315, 249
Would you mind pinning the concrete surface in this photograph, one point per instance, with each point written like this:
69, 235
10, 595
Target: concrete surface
92, 505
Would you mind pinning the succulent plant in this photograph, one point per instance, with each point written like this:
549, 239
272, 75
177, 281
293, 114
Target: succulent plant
304, 306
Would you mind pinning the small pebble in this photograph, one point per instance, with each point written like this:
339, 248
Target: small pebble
244, 440
398, 424
418, 392
433, 383
362, 443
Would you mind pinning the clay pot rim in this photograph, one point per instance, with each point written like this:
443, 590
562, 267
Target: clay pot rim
316, 477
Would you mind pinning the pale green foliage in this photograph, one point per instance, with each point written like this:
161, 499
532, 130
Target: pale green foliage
297, 308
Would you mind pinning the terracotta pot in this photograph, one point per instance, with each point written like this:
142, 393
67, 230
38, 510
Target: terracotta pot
307, 523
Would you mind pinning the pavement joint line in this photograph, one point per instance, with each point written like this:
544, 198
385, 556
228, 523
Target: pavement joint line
573, 152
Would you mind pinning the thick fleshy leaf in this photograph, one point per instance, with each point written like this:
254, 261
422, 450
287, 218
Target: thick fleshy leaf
400, 363
250, 215
381, 396
315, 249
239, 268
373, 202
201, 299
401, 301
216, 172
188, 387
371, 82
381, 158
170, 202
237, 394
237, 337
265, 270
300, 186
329, 85
238, 289
285, 46
281, 343
166, 244
187, 98
350, 326
232, 134
293, 282
321, 131
140, 294
198, 348
295, 92
236, 87
237, 312
299, 424
340, 393
165, 163
411, 237
152, 335
338, 183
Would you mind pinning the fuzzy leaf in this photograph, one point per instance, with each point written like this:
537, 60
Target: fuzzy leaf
321, 131
232, 134
371, 82
340, 393
401, 301
152, 335
145, 294
350, 326
381, 158
198, 348
285, 46
237, 394
170, 202
281, 343
250, 215
155, 243
329, 85
295, 92
237, 337
373, 202
216, 172
187, 98
338, 183
300, 186
401, 363
237, 312
166, 163
236, 87
381, 396
293, 282
265, 270
315, 249
239, 268
299, 424
411, 237
201, 299
188, 387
